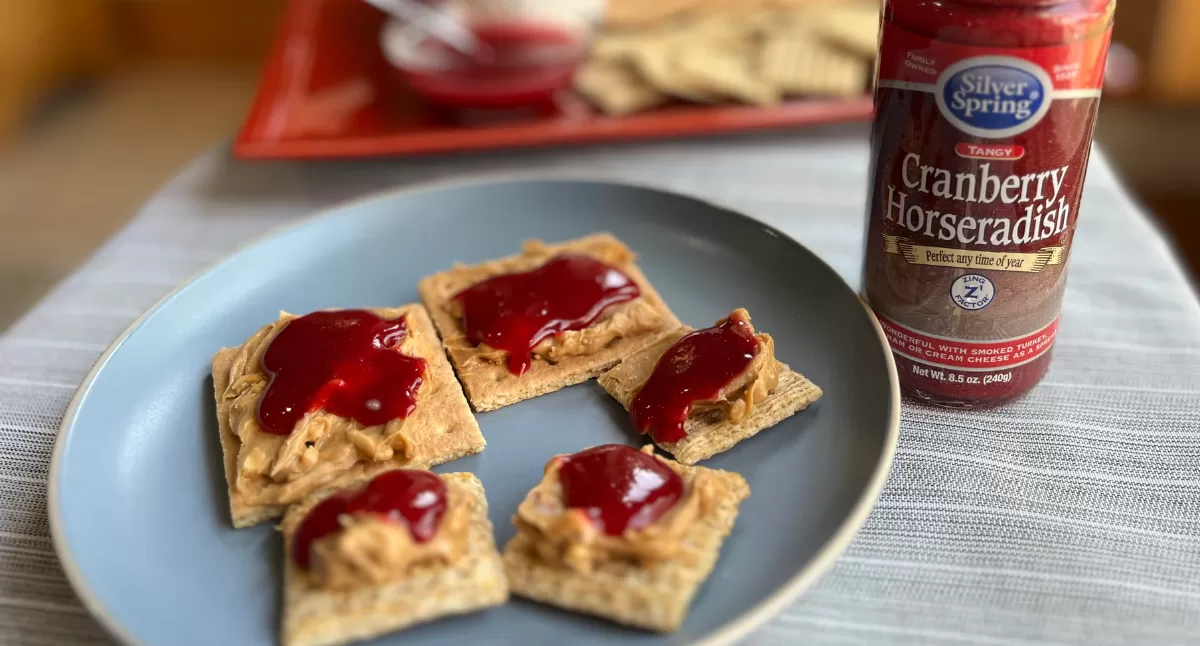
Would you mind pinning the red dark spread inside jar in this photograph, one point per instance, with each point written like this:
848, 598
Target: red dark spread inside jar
696, 368
516, 312
347, 363
984, 119
416, 499
619, 487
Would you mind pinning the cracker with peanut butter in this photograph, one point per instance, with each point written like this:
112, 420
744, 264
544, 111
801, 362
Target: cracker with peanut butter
644, 577
371, 577
266, 472
763, 395
559, 360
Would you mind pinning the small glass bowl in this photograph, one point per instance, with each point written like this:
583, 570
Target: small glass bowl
526, 58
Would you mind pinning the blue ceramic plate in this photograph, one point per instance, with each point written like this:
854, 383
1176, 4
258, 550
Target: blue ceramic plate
138, 505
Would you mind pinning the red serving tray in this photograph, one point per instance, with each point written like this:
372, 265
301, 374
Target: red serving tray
327, 91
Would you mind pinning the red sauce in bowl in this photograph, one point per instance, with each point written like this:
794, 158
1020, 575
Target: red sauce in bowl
520, 64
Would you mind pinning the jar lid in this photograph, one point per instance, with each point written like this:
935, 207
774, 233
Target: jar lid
1003, 23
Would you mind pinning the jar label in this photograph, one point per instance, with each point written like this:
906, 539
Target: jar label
980, 160
969, 357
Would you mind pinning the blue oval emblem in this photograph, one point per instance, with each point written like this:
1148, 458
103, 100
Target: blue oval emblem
994, 96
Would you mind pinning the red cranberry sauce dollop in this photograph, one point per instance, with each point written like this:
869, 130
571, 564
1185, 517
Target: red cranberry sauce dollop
619, 487
346, 362
404, 496
695, 369
515, 312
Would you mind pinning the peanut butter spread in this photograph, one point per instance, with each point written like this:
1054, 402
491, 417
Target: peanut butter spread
279, 469
619, 321
370, 550
758, 380
568, 537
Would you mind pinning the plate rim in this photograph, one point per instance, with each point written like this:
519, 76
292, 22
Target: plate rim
742, 625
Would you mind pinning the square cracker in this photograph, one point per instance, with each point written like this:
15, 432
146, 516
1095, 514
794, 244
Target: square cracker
852, 26
490, 385
654, 598
640, 13
705, 437
797, 63
442, 423
313, 616
659, 66
726, 71
616, 88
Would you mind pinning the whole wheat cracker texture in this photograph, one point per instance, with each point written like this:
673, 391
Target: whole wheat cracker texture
445, 427
616, 88
726, 72
642, 13
706, 438
491, 386
655, 598
853, 26
658, 64
316, 617
796, 63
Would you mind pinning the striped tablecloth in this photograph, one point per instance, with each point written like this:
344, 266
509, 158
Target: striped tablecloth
1070, 517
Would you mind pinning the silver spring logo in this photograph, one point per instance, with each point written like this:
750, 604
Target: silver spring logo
994, 96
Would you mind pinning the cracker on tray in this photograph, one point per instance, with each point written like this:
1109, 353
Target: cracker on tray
746, 51
726, 72
625, 14
853, 26
440, 429
796, 64
616, 88
659, 66
316, 616
486, 377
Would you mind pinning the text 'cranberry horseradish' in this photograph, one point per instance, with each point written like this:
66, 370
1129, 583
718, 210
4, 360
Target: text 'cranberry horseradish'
983, 127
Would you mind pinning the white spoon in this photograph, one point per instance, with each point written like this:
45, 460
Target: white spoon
439, 24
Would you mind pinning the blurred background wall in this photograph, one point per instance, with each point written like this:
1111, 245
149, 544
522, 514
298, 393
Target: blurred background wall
103, 100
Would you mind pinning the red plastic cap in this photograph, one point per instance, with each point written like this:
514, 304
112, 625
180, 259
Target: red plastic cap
1003, 23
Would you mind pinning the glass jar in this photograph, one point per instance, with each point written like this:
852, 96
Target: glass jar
985, 112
